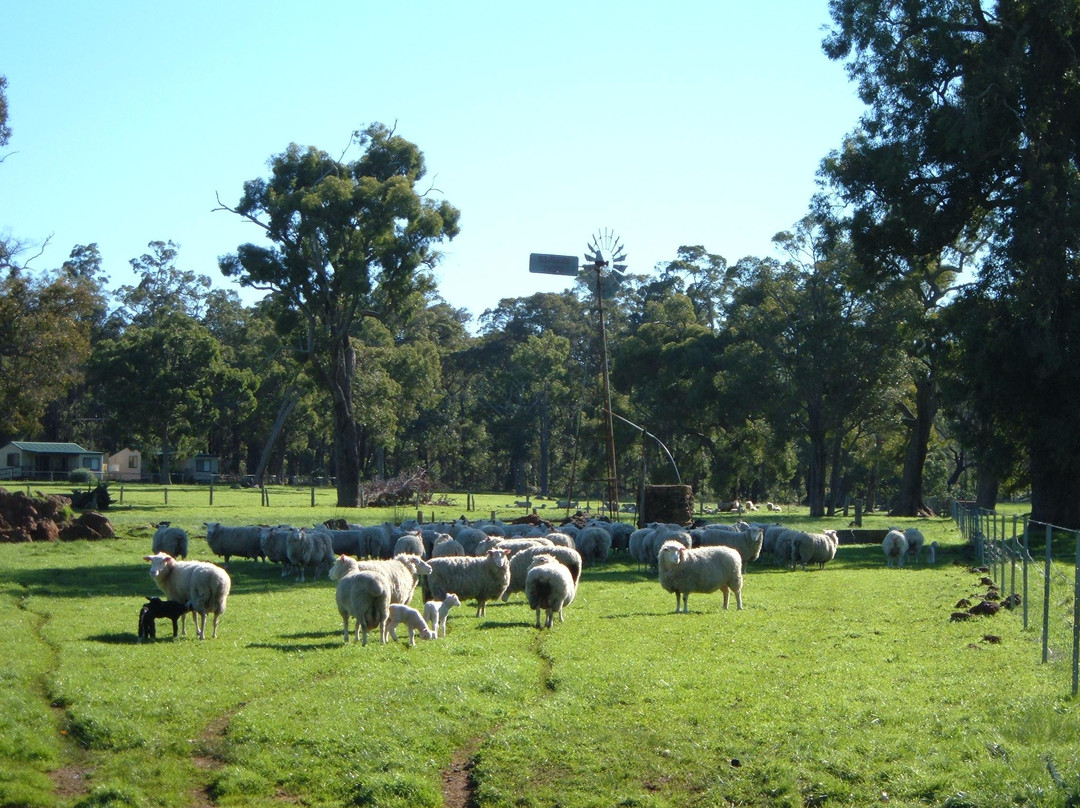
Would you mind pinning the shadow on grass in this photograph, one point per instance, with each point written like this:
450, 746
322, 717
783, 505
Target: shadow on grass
306, 647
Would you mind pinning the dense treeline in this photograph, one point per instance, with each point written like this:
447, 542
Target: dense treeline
915, 337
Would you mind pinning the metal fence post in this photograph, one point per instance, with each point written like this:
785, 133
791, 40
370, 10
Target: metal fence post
1046, 598
1076, 620
1027, 555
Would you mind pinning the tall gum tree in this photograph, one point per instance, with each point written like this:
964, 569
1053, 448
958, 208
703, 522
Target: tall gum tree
350, 240
973, 134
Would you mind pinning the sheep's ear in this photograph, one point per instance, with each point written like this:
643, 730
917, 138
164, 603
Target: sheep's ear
148, 558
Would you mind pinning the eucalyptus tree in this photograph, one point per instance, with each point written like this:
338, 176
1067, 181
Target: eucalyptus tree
162, 287
972, 135
350, 240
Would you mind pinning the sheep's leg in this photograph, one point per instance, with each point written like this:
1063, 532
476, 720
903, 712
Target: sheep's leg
214, 634
200, 624
726, 592
538, 617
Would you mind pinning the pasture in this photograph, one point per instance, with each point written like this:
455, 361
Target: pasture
846, 686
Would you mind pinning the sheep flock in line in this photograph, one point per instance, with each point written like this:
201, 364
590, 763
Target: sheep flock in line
378, 568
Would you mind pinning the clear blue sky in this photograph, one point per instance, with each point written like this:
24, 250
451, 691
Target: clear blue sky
668, 123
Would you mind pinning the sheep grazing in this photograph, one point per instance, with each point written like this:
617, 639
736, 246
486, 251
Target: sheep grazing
400, 614
203, 586
520, 563
436, 612
895, 547
593, 542
242, 542
363, 595
746, 542
705, 569
814, 548
156, 609
171, 540
481, 577
549, 586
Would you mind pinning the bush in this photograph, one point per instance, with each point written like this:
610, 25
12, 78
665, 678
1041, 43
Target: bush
82, 476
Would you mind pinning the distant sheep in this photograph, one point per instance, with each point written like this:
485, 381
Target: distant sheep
561, 539
931, 553
243, 542
705, 569
171, 540
203, 586
773, 507
593, 543
413, 621
446, 545
156, 609
814, 548
273, 542
549, 586
469, 538
436, 612
363, 595
895, 547
746, 542
411, 543
915, 543
512, 546
481, 577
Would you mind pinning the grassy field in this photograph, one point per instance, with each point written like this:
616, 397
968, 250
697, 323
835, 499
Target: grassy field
847, 686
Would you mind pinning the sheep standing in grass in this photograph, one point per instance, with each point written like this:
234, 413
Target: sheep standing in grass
915, 543
895, 548
171, 540
413, 621
814, 548
436, 611
469, 538
520, 563
931, 553
446, 545
746, 542
481, 577
705, 569
203, 586
411, 543
593, 543
244, 541
363, 595
403, 573
549, 586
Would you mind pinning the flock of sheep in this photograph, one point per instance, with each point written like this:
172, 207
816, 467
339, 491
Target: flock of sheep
378, 568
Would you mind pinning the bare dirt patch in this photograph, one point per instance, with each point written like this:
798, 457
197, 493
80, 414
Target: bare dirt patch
457, 784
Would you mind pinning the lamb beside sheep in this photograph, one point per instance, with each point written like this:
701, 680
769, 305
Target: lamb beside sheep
400, 614
549, 586
156, 609
171, 540
436, 612
203, 586
706, 569
363, 595
895, 547
481, 577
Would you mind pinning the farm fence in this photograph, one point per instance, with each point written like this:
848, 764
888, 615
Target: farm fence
1003, 544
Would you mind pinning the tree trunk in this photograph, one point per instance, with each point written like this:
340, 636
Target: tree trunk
346, 434
1055, 480
835, 485
909, 499
986, 492
815, 476
287, 404
545, 446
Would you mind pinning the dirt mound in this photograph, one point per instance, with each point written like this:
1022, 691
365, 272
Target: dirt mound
47, 518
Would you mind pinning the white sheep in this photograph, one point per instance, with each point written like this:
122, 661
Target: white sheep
481, 577
561, 539
204, 586
273, 541
244, 541
411, 543
814, 548
436, 611
520, 563
512, 545
171, 540
772, 506
309, 548
895, 547
413, 621
469, 538
746, 542
403, 572
915, 543
446, 545
784, 546
931, 553
363, 595
549, 586
705, 569
593, 542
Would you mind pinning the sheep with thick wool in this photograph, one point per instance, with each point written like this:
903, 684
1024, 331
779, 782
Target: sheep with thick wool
521, 561
363, 595
412, 543
403, 572
203, 586
915, 542
895, 547
244, 541
549, 586
705, 569
593, 542
171, 540
746, 542
446, 545
436, 611
814, 548
482, 578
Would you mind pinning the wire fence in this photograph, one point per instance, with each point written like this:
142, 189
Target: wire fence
1031, 563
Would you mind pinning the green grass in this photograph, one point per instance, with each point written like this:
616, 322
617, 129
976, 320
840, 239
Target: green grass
830, 688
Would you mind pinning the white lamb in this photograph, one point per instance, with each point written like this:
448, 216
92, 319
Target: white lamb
204, 586
483, 578
413, 621
705, 569
171, 540
549, 586
895, 547
931, 553
363, 595
436, 611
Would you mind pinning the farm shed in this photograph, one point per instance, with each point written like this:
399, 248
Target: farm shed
35, 460
202, 468
125, 465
